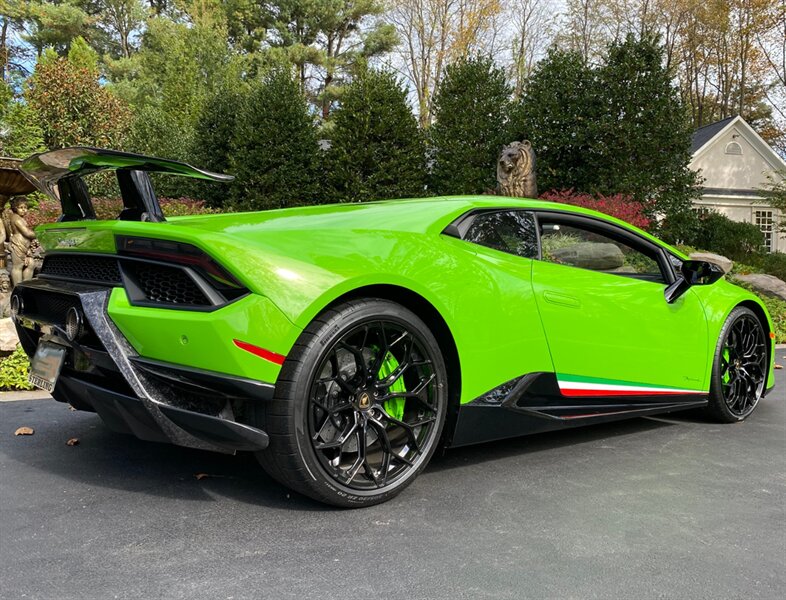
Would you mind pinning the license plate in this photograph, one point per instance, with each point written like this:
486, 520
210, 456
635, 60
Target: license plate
46, 364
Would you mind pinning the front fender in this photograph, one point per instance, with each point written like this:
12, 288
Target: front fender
719, 299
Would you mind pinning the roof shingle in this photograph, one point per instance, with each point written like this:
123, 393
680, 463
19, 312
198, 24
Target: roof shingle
704, 134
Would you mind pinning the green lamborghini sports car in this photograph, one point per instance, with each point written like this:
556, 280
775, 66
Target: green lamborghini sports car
346, 344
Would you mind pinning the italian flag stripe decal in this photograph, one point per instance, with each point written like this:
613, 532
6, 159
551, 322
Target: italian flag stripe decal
578, 386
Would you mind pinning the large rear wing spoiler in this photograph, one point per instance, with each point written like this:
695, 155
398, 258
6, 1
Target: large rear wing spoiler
59, 174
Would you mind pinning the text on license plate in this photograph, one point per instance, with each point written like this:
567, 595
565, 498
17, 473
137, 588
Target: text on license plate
46, 364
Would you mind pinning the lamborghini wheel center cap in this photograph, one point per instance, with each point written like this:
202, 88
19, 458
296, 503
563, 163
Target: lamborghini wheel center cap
364, 400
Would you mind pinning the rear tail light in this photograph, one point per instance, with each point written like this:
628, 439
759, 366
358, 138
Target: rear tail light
187, 255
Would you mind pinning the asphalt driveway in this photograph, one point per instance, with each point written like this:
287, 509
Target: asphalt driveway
669, 507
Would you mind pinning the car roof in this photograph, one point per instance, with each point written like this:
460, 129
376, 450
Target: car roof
416, 215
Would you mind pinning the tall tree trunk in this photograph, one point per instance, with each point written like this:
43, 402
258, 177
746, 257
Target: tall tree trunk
4, 47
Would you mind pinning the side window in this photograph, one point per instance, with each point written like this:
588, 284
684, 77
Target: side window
511, 231
588, 249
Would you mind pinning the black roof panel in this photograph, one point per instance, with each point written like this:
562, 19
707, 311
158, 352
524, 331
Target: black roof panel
704, 134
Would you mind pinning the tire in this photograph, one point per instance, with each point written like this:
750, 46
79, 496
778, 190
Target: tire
739, 369
342, 433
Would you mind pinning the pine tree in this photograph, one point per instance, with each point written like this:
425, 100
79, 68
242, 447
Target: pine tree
471, 111
377, 149
274, 149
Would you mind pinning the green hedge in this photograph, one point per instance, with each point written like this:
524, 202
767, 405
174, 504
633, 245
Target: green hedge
734, 239
775, 306
772, 264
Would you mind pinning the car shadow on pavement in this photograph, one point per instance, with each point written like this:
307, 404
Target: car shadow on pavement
103, 458
108, 459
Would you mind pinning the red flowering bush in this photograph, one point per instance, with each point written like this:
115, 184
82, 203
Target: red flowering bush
73, 107
181, 207
48, 211
619, 205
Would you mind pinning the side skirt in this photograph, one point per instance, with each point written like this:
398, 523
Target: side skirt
534, 403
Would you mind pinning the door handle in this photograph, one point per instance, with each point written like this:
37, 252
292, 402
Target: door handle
561, 299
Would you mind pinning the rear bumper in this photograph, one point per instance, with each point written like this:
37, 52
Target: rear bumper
127, 414
153, 400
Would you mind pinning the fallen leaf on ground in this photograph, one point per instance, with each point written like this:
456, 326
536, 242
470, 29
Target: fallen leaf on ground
778, 366
72, 442
24, 431
211, 475
71, 407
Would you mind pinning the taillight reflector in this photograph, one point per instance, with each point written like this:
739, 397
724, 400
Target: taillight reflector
268, 355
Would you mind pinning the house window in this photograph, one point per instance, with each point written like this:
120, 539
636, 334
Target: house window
702, 211
763, 219
733, 148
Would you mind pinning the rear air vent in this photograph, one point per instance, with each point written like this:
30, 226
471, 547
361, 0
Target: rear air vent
155, 273
82, 267
163, 284
48, 306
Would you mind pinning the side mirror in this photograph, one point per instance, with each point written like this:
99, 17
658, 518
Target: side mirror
693, 272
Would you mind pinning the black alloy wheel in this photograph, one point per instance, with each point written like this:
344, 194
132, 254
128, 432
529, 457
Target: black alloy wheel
740, 368
373, 405
360, 405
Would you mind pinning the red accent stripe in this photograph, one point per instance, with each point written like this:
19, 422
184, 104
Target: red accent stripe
597, 414
273, 357
588, 393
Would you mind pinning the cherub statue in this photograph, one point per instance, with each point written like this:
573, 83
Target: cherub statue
20, 236
516, 171
5, 294
3, 229
36, 255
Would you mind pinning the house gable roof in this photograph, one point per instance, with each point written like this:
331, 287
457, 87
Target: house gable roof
704, 137
704, 134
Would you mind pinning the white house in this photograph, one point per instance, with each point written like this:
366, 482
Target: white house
734, 162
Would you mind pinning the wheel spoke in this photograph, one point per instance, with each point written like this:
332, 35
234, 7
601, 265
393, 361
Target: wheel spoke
753, 372
415, 394
403, 364
732, 378
344, 406
336, 377
349, 475
382, 352
369, 470
318, 434
361, 435
387, 449
361, 369
409, 430
338, 442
